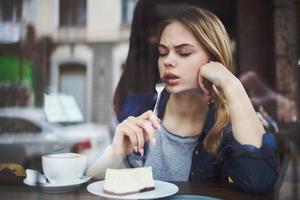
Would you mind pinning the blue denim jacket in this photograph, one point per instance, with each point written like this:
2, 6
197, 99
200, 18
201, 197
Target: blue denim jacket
252, 169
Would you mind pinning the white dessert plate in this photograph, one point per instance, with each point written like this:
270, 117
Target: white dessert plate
58, 187
162, 189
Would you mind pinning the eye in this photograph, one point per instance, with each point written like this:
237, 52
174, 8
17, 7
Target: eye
184, 54
162, 53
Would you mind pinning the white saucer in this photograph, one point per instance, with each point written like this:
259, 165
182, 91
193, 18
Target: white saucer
162, 189
58, 188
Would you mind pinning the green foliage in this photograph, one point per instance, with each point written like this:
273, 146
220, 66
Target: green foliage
10, 70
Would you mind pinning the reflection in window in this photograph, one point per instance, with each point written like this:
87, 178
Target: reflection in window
127, 11
16, 125
72, 13
10, 10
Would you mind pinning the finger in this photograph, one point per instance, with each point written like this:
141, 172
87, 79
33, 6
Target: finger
146, 137
142, 152
149, 115
203, 88
149, 130
152, 140
127, 132
207, 84
146, 125
132, 123
154, 120
200, 83
145, 115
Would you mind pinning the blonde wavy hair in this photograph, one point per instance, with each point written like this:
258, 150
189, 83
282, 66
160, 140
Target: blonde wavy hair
211, 34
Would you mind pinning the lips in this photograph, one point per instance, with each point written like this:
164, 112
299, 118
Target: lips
170, 79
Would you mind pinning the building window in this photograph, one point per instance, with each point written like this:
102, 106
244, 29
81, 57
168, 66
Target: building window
127, 11
10, 11
72, 13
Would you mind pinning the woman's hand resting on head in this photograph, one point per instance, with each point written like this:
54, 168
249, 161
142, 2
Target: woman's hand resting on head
133, 132
215, 73
246, 127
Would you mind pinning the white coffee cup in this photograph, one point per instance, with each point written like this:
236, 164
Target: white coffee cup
64, 167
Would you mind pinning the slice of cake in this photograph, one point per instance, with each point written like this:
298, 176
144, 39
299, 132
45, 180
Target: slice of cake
128, 181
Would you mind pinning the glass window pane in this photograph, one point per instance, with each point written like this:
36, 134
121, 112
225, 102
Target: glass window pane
16, 125
72, 13
11, 10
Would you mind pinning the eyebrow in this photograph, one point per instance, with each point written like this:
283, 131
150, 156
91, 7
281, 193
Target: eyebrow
177, 46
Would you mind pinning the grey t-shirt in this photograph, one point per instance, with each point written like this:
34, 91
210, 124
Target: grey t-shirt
170, 158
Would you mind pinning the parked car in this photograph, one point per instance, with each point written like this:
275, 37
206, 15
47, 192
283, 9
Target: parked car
25, 133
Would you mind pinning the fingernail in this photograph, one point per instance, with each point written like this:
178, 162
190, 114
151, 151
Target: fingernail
153, 141
135, 149
159, 121
157, 125
142, 152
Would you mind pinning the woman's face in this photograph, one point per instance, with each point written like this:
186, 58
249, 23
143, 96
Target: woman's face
180, 58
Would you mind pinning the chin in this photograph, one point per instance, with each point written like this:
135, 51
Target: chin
180, 89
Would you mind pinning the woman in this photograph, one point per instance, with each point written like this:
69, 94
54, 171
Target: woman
191, 139
142, 51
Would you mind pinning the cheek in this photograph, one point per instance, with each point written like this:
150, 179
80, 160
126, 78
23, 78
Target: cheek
193, 70
196, 65
199, 63
193, 76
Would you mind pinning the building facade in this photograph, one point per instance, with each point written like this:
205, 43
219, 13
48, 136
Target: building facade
89, 44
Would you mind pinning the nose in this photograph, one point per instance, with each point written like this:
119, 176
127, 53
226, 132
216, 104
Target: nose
169, 61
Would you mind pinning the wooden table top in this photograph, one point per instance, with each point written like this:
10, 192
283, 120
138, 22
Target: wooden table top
22, 192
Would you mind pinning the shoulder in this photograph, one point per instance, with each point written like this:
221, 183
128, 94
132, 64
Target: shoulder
137, 104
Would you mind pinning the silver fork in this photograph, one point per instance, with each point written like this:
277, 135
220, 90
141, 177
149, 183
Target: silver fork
159, 87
